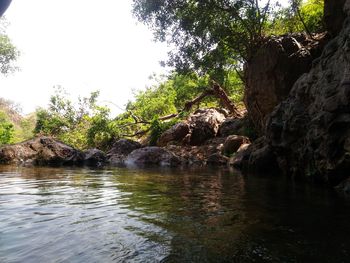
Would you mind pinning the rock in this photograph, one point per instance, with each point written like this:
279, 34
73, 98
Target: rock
309, 131
200, 126
124, 147
41, 151
273, 70
241, 156
197, 155
262, 160
217, 159
152, 156
346, 8
175, 134
204, 124
95, 157
344, 187
334, 15
120, 149
231, 126
233, 143
257, 157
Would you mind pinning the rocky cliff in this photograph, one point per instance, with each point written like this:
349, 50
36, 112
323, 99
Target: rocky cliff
272, 71
334, 15
309, 132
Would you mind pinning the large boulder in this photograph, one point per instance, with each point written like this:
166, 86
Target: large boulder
204, 125
309, 132
233, 142
272, 71
120, 149
257, 157
198, 155
41, 151
95, 157
175, 134
241, 157
152, 156
232, 126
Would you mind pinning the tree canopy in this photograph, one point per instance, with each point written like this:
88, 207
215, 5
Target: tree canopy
13, 126
211, 36
207, 34
8, 52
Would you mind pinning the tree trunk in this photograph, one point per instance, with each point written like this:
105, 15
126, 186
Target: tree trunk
224, 99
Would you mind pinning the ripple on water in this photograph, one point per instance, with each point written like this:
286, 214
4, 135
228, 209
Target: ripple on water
119, 215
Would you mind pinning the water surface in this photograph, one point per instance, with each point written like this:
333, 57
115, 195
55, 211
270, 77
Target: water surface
121, 215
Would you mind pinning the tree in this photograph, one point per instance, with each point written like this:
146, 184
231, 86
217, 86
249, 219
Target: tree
216, 36
83, 124
21, 126
209, 35
6, 129
8, 52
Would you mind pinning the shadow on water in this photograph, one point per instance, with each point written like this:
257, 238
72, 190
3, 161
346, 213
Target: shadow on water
163, 215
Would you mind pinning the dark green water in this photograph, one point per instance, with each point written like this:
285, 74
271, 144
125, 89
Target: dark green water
120, 215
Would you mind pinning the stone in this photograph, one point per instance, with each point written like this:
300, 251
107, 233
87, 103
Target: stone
197, 155
152, 155
233, 143
41, 151
231, 126
241, 156
95, 157
120, 149
272, 71
334, 15
175, 134
262, 160
217, 159
344, 187
204, 125
257, 157
308, 133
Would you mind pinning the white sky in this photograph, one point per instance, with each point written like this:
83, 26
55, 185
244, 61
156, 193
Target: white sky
80, 45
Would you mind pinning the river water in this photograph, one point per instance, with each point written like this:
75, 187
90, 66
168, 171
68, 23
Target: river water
126, 215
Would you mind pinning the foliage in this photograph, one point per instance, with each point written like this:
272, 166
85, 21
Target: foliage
157, 100
157, 127
170, 95
312, 13
100, 132
49, 123
21, 127
82, 125
8, 52
213, 36
24, 129
286, 20
209, 36
86, 124
6, 129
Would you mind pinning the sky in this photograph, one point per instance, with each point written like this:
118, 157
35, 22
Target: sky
82, 45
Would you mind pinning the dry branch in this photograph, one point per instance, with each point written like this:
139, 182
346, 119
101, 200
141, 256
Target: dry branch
215, 90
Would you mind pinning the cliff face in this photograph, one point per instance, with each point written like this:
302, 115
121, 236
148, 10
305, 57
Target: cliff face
334, 15
309, 132
271, 73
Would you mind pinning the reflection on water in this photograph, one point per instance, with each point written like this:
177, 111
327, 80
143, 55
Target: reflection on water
120, 215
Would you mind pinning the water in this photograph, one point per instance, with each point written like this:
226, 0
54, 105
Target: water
120, 215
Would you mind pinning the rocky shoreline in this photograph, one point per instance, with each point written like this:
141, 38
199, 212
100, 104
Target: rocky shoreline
207, 137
